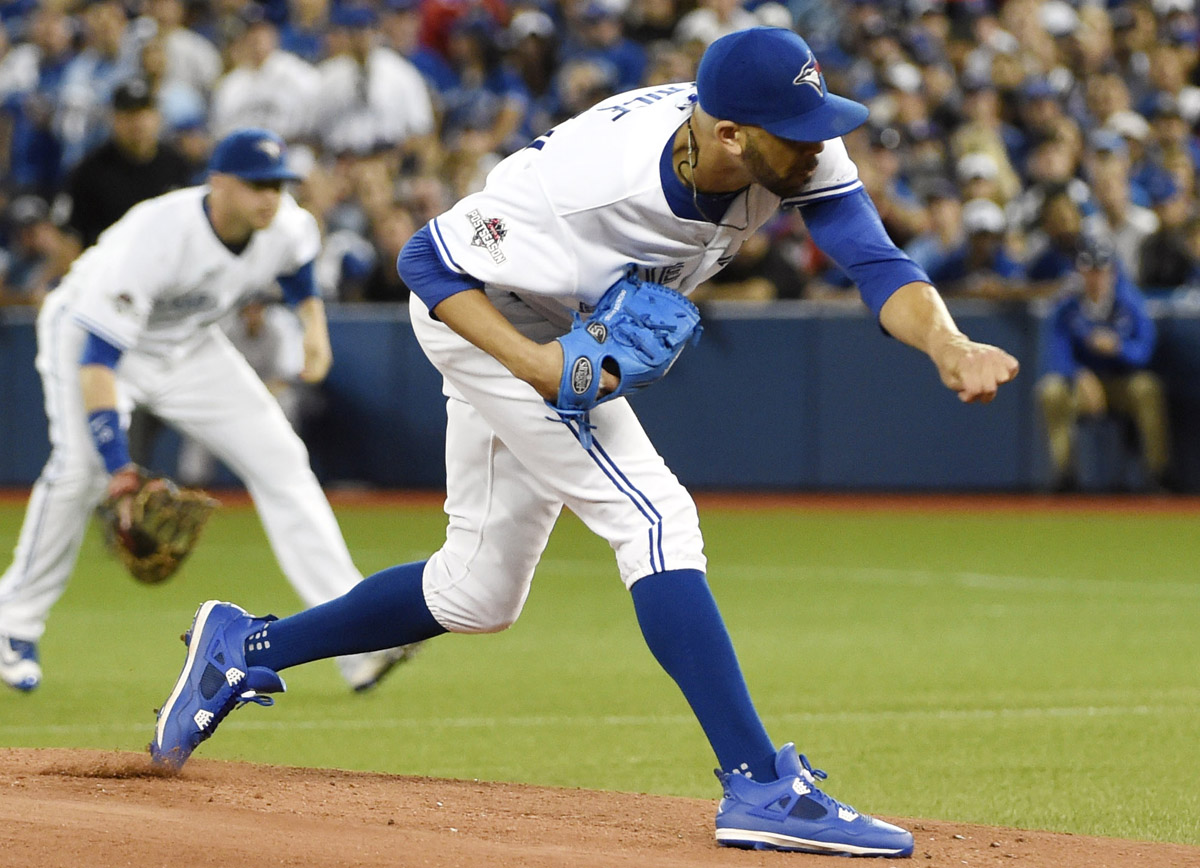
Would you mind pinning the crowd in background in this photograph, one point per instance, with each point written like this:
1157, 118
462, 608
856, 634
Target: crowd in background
1000, 132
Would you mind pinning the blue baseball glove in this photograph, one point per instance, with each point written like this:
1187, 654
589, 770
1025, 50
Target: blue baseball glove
636, 333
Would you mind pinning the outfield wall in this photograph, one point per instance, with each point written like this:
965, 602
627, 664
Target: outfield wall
789, 395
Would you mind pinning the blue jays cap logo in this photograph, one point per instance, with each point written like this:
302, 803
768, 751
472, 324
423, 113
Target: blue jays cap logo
810, 74
270, 147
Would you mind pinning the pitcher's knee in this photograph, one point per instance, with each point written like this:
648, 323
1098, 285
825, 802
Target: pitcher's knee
475, 600
459, 614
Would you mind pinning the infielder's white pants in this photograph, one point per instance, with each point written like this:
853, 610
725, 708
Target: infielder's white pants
510, 468
212, 395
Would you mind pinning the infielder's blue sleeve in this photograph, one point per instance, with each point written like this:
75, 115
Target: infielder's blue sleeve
424, 273
299, 286
848, 230
98, 351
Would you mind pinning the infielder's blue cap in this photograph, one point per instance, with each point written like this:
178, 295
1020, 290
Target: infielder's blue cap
768, 77
253, 155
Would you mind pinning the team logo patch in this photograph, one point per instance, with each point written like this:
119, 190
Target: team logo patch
810, 74
122, 302
270, 147
598, 330
581, 376
489, 232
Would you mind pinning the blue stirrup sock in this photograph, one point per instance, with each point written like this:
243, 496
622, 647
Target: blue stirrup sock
687, 636
382, 611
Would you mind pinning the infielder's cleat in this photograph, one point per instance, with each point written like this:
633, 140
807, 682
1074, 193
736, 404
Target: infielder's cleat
215, 680
792, 814
364, 671
19, 667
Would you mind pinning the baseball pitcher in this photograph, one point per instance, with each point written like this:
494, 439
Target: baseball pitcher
601, 226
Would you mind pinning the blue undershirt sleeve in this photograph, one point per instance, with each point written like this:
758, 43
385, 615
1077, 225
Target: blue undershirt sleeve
848, 230
300, 285
104, 424
98, 351
424, 273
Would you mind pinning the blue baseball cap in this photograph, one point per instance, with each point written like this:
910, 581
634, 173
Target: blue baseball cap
768, 77
252, 155
353, 17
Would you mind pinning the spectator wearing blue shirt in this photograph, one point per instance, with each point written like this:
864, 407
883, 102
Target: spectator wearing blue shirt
533, 53
31, 80
107, 59
400, 22
601, 38
485, 109
303, 30
945, 234
26, 261
981, 267
1100, 343
1059, 225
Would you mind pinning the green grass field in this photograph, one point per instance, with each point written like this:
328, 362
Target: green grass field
1036, 669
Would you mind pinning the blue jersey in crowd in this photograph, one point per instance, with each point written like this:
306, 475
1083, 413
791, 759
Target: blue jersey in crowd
1074, 319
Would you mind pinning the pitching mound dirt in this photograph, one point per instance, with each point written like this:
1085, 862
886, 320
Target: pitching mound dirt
92, 808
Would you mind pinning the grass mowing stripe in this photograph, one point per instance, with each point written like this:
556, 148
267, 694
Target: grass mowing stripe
562, 720
924, 578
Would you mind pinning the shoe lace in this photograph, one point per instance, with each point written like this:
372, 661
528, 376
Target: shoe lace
813, 774
235, 701
255, 697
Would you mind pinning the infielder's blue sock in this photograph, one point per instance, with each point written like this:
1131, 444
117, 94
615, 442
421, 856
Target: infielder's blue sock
382, 611
686, 634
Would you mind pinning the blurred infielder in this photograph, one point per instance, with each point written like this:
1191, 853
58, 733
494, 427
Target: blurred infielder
674, 184
134, 322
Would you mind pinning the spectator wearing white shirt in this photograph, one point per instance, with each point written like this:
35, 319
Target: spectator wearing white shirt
712, 19
191, 59
268, 87
371, 99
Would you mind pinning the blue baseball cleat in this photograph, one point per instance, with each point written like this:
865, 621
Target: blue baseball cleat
19, 667
792, 814
215, 680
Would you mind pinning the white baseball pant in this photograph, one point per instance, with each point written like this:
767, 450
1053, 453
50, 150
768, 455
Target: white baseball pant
210, 394
510, 468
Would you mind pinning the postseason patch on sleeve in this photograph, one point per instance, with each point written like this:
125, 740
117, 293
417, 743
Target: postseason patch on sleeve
488, 233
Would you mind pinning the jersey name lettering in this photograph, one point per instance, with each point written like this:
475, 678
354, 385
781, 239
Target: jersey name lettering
647, 98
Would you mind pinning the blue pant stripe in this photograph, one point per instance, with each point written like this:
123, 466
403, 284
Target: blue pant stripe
629, 491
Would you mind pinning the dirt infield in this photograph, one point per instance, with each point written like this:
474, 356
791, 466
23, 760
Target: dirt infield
92, 808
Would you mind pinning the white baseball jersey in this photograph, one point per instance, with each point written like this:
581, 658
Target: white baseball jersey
552, 229
159, 276
155, 284
556, 231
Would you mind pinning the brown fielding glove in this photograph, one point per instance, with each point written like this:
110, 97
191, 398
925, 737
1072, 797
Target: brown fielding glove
164, 525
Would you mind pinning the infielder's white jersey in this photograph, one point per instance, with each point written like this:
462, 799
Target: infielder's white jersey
550, 228
154, 285
159, 278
